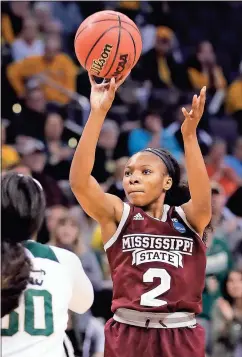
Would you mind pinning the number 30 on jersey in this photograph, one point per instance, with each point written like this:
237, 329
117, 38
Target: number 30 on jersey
29, 315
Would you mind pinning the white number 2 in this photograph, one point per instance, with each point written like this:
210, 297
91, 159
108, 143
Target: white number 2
149, 298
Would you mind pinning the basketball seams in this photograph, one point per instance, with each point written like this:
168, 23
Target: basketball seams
117, 22
133, 44
110, 13
116, 52
95, 22
93, 46
134, 27
125, 22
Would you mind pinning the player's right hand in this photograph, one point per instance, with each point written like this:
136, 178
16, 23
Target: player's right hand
103, 94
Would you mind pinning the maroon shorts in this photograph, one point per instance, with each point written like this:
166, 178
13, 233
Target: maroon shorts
123, 340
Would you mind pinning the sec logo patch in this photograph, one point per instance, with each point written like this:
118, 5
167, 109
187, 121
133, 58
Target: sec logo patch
179, 227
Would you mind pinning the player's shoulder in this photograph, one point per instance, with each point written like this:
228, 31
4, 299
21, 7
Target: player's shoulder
39, 250
64, 255
118, 204
67, 259
178, 215
49, 252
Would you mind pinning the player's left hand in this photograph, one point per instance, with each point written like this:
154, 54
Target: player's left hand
192, 118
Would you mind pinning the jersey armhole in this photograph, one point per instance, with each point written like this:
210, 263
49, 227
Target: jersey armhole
125, 215
182, 214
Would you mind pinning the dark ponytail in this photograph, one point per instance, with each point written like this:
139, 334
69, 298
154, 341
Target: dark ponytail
179, 192
23, 206
15, 274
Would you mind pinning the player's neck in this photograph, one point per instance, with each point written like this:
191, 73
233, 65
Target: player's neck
155, 209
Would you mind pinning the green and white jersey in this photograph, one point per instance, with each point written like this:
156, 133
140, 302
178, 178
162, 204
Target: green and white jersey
57, 283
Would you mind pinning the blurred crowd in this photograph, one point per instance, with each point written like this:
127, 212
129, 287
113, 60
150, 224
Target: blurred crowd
45, 103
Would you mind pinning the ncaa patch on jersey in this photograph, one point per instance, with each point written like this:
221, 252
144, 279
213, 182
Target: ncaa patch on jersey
179, 227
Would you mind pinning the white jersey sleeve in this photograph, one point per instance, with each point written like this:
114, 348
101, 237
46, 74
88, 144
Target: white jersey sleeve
82, 290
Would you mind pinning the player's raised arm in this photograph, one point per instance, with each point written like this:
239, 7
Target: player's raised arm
198, 209
102, 207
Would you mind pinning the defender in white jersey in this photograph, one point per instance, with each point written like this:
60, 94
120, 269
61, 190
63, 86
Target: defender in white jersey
39, 283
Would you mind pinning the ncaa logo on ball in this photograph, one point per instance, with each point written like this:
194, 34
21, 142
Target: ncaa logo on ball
98, 64
179, 227
123, 59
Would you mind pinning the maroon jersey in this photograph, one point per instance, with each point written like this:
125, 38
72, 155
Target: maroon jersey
156, 265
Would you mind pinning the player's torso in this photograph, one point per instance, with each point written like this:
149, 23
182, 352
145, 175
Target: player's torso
157, 265
36, 327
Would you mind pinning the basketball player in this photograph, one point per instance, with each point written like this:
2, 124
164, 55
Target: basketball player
155, 244
39, 283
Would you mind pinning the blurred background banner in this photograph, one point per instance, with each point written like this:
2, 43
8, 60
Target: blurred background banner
45, 103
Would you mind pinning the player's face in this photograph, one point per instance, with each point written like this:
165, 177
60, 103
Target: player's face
145, 178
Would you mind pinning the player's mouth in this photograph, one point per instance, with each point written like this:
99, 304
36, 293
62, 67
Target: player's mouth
134, 192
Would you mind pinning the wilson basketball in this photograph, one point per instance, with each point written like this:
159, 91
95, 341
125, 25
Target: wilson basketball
108, 44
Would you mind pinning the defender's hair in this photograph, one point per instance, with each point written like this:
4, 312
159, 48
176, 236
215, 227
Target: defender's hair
179, 192
23, 206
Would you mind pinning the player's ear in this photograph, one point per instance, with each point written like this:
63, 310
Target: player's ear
168, 183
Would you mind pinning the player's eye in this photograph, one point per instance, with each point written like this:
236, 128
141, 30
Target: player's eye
127, 173
146, 172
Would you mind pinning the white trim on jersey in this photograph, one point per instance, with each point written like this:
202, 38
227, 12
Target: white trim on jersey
164, 214
122, 222
29, 254
182, 214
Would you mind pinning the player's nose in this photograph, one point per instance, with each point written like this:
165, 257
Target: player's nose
134, 179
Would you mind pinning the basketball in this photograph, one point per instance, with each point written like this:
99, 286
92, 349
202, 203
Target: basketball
108, 44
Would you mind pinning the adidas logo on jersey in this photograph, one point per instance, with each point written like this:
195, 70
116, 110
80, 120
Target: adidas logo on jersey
138, 217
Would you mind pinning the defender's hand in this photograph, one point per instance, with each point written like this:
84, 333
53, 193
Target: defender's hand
102, 95
192, 118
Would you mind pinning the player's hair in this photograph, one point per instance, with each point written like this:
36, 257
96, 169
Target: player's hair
179, 192
23, 206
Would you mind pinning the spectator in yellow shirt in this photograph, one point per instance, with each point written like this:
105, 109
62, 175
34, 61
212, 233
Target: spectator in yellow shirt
13, 14
55, 71
203, 69
96, 241
234, 96
233, 100
159, 64
9, 154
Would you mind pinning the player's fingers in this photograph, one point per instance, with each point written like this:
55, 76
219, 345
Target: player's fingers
185, 113
194, 102
106, 81
195, 105
112, 85
202, 98
91, 79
